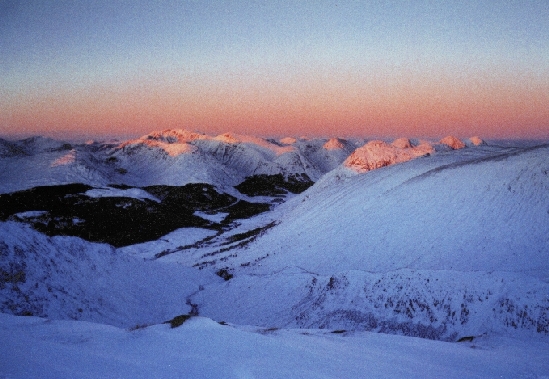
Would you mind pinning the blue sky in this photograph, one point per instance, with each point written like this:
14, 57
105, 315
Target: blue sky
265, 53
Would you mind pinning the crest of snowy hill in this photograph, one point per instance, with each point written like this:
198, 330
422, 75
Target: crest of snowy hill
450, 246
203, 349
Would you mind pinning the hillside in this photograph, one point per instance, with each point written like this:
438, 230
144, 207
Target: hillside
439, 247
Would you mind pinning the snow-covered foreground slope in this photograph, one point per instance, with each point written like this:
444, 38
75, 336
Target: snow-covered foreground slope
201, 348
440, 247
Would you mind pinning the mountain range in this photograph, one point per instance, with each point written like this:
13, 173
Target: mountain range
445, 240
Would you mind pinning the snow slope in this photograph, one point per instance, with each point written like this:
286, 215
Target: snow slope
442, 247
200, 348
41, 166
68, 278
441, 214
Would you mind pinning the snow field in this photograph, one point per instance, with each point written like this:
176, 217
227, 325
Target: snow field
201, 348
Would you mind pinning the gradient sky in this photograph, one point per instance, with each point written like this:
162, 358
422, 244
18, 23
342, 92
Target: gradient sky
318, 68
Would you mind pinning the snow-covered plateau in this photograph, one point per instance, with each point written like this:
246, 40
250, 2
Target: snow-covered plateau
180, 254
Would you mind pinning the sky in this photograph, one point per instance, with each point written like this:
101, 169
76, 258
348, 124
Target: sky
275, 68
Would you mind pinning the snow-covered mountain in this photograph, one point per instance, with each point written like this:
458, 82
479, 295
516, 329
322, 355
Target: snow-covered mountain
376, 154
169, 157
178, 157
445, 240
454, 245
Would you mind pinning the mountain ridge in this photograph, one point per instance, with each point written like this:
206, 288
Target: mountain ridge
447, 245
175, 157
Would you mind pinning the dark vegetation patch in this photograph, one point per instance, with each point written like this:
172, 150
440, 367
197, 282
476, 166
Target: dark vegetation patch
274, 185
194, 196
204, 197
466, 339
249, 235
244, 209
235, 241
178, 320
120, 186
121, 221
225, 274
197, 245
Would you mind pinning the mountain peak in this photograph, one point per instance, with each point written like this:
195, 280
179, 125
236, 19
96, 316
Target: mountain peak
174, 136
334, 144
402, 143
174, 142
477, 141
452, 142
288, 141
376, 154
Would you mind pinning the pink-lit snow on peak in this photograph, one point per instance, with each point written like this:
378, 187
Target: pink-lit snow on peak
233, 138
333, 144
402, 143
173, 142
175, 136
376, 154
66, 159
452, 142
288, 141
477, 141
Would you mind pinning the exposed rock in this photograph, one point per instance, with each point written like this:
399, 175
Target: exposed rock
10, 149
274, 185
121, 221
